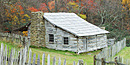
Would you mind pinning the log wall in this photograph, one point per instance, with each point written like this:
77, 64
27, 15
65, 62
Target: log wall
76, 44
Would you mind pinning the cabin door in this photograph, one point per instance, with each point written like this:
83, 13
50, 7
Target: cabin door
86, 43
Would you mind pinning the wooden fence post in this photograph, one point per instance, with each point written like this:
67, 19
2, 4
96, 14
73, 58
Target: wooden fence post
24, 43
80, 62
74, 63
5, 54
116, 61
54, 61
11, 58
64, 62
2, 50
30, 55
103, 61
59, 62
38, 60
94, 59
43, 59
20, 57
34, 57
48, 59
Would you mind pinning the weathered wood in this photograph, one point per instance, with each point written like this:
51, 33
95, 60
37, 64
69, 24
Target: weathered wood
20, 58
94, 59
17, 56
34, 57
38, 60
59, 62
24, 43
43, 59
116, 61
80, 62
24, 55
64, 62
2, 50
15, 38
8, 57
111, 51
74, 63
30, 55
0, 58
103, 63
11, 58
54, 61
5, 54
48, 59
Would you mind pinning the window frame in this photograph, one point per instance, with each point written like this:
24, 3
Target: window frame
51, 38
66, 41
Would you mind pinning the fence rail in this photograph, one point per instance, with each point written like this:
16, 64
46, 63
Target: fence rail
108, 53
14, 38
116, 61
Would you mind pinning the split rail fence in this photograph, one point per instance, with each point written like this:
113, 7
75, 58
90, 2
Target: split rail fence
22, 57
105, 56
14, 38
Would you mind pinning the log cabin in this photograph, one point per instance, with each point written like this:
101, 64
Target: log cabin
66, 31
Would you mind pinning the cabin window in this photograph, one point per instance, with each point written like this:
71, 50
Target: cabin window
66, 40
51, 38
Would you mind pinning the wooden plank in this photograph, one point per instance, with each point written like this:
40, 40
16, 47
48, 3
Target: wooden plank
38, 60
59, 62
16, 57
54, 61
48, 59
11, 57
64, 62
5, 54
20, 58
30, 55
24, 55
80, 62
74, 63
34, 57
8, 57
2, 50
43, 59
0, 57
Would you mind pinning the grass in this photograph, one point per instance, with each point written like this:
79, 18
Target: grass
125, 53
69, 56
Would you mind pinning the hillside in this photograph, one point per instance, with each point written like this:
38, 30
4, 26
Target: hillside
124, 53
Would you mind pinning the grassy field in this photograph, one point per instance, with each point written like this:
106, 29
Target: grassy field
125, 53
69, 56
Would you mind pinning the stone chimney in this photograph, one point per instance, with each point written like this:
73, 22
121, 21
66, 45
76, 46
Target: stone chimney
37, 28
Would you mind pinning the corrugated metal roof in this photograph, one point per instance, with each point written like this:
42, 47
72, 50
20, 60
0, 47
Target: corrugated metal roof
73, 24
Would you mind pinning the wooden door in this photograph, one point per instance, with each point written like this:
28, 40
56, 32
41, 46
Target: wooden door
86, 43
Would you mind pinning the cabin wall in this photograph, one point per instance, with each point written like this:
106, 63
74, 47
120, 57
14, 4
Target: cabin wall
80, 44
58, 38
91, 43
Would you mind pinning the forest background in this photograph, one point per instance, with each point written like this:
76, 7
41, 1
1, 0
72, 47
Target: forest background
114, 15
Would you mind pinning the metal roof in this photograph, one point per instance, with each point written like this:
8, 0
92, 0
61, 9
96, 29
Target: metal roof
73, 24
